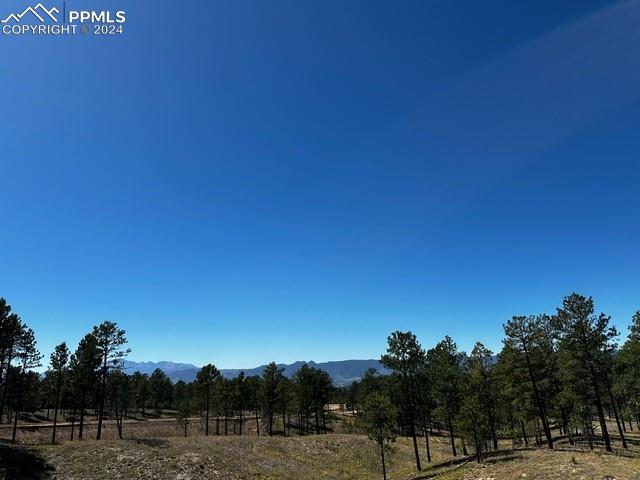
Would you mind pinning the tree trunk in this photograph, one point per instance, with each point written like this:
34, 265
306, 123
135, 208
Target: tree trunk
118, 418
6, 383
284, 421
17, 410
206, 423
589, 436
103, 387
384, 467
538, 399
81, 427
478, 447
426, 443
615, 413
269, 422
73, 422
55, 414
15, 426
257, 424
453, 441
565, 423
570, 436
123, 413
598, 399
494, 435
415, 445
524, 433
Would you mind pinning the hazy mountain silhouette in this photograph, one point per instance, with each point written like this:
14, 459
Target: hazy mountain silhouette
343, 372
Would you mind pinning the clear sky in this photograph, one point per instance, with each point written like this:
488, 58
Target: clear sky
238, 182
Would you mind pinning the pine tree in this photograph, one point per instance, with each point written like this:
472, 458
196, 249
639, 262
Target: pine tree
59, 361
253, 387
587, 339
110, 341
482, 384
526, 340
406, 358
627, 371
473, 423
83, 372
205, 379
377, 419
11, 328
285, 393
272, 377
426, 405
161, 389
241, 398
28, 357
140, 391
445, 365
118, 387
185, 410
322, 386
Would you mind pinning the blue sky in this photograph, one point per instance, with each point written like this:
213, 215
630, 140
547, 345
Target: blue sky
240, 182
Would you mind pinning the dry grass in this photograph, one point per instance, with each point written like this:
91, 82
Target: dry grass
329, 457
550, 465
322, 457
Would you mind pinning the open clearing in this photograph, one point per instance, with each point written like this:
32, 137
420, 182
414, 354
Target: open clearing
330, 457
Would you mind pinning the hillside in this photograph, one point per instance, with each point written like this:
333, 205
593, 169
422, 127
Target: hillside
325, 457
343, 372
330, 457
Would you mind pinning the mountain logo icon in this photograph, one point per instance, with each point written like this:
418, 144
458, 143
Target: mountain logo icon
39, 11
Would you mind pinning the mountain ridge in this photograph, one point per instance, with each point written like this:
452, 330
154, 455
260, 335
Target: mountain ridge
343, 372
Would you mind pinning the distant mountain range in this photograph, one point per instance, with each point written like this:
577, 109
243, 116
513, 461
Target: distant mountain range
343, 372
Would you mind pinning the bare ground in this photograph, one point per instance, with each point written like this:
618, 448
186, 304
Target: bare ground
321, 457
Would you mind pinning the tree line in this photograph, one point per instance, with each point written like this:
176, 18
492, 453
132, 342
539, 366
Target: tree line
272, 402
74, 381
91, 381
558, 379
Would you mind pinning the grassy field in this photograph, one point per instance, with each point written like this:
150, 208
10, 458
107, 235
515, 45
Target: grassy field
548, 465
330, 457
247, 457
